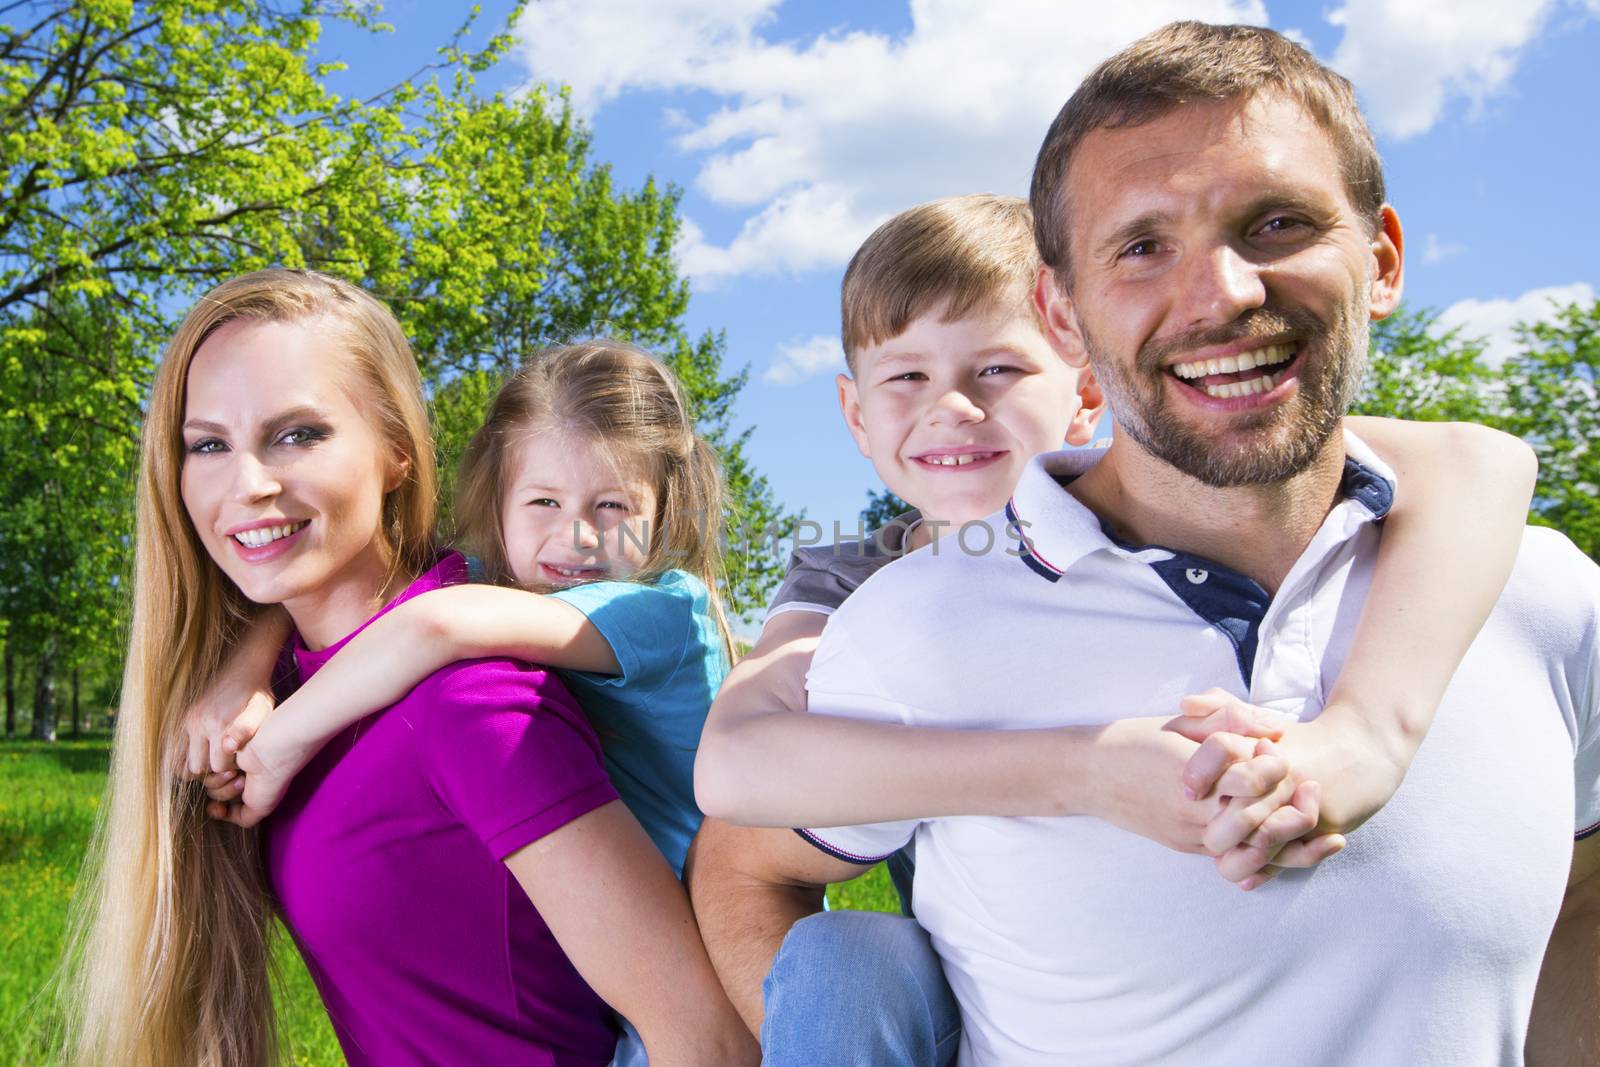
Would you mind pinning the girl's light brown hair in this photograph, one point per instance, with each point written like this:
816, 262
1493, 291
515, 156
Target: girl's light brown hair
628, 404
169, 959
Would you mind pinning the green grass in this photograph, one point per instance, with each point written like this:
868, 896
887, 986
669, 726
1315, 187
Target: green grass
48, 797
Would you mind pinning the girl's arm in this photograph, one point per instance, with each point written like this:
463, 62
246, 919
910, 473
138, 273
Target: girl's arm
383, 662
1448, 547
241, 694
761, 764
625, 923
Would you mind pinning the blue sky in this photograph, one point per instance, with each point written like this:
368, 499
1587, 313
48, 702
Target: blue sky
794, 128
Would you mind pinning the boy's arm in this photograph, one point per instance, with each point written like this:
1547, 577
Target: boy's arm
759, 763
1448, 547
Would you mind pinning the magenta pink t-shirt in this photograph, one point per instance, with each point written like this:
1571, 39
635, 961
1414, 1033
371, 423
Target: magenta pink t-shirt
387, 853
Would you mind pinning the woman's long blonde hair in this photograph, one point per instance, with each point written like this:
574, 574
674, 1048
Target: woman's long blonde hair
170, 957
629, 404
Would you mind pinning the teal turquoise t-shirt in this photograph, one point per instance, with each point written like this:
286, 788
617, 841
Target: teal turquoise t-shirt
650, 716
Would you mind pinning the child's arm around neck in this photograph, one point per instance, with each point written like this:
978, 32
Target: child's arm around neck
395, 652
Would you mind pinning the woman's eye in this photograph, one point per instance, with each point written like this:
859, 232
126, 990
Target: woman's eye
206, 446
300, 435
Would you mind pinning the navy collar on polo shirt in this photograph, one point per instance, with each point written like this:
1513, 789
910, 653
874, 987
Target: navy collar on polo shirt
1055, 531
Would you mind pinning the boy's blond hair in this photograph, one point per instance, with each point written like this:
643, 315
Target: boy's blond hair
963, 253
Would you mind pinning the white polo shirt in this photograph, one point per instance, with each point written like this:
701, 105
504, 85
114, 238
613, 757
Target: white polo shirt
1068, 940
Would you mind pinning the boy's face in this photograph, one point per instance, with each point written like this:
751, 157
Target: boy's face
950, 412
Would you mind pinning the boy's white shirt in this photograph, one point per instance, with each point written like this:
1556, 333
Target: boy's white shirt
1068, 940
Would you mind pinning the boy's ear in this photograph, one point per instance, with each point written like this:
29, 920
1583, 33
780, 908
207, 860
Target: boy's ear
1060, 319
850, 408
1092, 405
1388, 252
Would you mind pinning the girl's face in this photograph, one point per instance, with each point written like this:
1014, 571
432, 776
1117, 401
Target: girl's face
284, 473
572, 513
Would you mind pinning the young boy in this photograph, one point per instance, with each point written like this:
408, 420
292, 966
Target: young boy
953, 388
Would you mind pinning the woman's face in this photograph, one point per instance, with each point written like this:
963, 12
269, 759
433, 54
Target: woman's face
284, 473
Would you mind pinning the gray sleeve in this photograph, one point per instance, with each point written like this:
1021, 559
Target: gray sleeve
816, 581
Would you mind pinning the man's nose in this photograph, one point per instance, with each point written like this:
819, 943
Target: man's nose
1219, 286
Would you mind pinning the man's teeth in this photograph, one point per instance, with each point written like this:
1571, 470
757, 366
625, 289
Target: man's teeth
265, 535
1260, 357
1248, 387
956, 461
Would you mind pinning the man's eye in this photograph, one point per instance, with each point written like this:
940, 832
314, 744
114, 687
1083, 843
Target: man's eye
1140, 249
1282, 224
206, 446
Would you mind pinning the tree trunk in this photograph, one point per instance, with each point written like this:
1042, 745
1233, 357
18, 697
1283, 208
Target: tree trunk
11, 693
44, 693
77, 719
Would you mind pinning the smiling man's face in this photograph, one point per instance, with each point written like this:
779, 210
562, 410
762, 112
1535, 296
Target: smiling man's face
1222, 285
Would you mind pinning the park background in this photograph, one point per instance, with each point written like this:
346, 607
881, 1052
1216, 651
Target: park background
689, 174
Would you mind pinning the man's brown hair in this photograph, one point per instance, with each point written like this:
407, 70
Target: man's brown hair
964, 253
1186, 61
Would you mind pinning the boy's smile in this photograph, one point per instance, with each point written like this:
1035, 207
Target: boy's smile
951, 412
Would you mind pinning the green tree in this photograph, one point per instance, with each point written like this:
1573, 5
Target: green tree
1550, 399
1415, 371
882, 507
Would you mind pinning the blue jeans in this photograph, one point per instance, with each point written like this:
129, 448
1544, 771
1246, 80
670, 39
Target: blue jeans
857, 987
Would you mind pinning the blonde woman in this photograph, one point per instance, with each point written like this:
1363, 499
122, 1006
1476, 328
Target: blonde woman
457, 870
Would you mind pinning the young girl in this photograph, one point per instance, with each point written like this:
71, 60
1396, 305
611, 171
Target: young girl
586, 484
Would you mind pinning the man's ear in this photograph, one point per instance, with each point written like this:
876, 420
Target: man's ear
1388, 249
1092, 405
850, 408
1060, 318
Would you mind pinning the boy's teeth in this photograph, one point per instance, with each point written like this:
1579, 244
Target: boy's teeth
1260, 357
956, 461
265, 535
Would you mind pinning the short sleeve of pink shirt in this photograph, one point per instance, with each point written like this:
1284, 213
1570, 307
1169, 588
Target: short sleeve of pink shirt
511, 764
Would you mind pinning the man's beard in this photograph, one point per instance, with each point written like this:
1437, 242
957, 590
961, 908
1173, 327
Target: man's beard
1264, 447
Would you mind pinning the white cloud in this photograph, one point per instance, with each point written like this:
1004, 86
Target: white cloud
800, 360
1435, 250
822, 139
1410, 58
1493, 319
